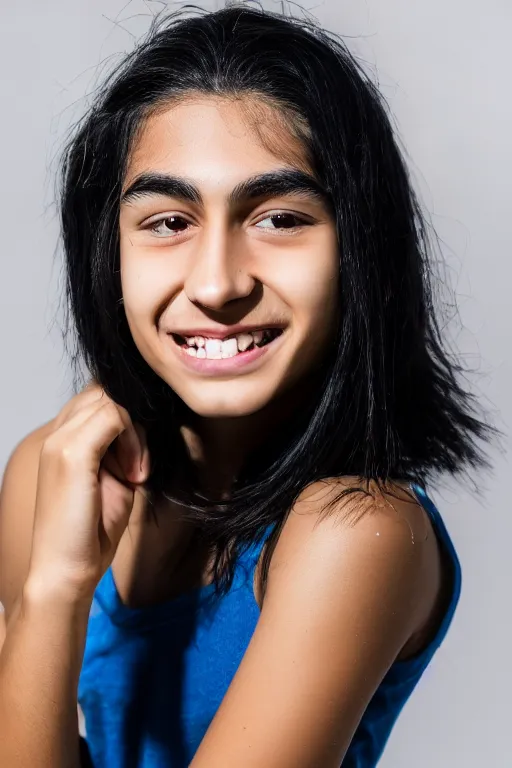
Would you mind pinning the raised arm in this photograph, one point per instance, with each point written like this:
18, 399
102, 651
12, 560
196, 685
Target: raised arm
66, 498
41, 654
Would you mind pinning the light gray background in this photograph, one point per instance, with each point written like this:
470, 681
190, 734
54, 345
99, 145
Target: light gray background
445, 68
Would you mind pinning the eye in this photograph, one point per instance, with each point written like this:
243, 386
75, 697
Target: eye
170, 226
173, 226
284, 220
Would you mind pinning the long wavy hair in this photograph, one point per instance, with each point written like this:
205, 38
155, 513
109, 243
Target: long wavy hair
389, 403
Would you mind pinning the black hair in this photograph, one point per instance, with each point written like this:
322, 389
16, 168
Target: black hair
389, 402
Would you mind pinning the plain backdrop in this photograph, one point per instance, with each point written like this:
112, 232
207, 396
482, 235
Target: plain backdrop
445, 68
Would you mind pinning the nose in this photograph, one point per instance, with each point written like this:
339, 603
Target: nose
219, 272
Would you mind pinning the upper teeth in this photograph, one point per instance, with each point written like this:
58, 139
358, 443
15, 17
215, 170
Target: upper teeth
216, 349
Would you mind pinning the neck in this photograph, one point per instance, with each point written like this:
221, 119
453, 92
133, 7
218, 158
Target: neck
219, 447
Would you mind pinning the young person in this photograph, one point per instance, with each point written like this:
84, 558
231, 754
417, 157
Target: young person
223, 546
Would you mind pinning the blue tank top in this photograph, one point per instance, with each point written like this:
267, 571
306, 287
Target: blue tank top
153, 678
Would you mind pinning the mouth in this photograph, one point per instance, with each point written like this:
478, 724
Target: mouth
235, 345
228, 355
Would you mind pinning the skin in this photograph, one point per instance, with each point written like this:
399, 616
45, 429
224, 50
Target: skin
226, 265
344, 600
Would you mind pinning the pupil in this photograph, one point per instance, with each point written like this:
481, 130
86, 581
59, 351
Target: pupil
282, 218
172, 220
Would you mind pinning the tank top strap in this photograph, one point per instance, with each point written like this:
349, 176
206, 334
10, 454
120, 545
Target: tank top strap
254, 550
248, 560
403, 670
440, 528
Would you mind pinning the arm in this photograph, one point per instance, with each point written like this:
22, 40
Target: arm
67, 496
342, 600
2, 627
43, 645
39, 667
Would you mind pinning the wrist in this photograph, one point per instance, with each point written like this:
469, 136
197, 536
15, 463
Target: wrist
55, 594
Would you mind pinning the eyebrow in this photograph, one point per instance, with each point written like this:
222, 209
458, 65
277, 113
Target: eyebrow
287, 181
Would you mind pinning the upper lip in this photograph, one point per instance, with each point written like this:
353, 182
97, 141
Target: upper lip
223, 331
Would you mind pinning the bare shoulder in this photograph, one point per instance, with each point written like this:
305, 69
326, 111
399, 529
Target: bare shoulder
348, 504
371, 538
17, 505
344, 509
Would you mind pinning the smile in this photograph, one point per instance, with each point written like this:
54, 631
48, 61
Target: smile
225, 355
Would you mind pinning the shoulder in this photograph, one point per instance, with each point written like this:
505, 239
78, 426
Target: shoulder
17, 506
350, 545
345, 594
341, 509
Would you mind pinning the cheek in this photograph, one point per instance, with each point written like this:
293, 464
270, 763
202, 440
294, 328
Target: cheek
137, 303
146, 282
141, 285
138, 293
310, 288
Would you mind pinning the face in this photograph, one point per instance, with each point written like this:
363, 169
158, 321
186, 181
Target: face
229, 262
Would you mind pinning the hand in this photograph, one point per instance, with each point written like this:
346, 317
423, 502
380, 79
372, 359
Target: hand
90, 467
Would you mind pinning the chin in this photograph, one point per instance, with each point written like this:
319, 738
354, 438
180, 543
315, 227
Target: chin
227, 404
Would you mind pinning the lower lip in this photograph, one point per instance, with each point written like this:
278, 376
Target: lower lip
243, 361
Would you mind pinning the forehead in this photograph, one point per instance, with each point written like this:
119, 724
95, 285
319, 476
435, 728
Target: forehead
208, 134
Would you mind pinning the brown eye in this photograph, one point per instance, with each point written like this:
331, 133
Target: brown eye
171, 225
283, 220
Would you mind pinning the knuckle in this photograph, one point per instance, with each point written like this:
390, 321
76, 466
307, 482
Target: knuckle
117, 413
64, 452
51, 445
112, 410
75, 405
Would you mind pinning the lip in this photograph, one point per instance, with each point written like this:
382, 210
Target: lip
223, 331
243, 362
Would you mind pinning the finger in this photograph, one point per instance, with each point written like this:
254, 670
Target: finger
128, 450
85, 438
79, 413
110, 464
77, 403
114, 422
131, 465
117, 504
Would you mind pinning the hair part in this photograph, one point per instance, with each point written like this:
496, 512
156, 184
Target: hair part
390, 405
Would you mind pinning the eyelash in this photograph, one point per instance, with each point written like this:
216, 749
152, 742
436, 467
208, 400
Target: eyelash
152, 226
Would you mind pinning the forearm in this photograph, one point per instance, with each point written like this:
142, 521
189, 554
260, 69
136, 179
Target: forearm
40, 665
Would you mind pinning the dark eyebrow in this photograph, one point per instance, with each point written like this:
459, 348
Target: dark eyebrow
272, 184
